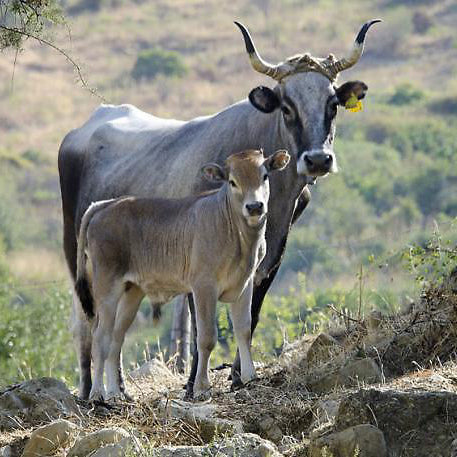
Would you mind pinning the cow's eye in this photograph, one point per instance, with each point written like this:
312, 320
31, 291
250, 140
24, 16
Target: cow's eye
232, 183
286, 111
333, 108
265, 176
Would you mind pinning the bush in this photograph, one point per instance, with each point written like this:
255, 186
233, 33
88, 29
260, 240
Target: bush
405, 94
34, 335
446, 106
153, 62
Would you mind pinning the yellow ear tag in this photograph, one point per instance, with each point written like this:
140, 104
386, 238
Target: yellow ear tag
353, 104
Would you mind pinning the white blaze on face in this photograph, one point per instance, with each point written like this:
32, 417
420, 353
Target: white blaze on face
317, 162
255, 204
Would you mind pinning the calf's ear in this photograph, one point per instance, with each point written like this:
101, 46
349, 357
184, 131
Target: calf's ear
264, 99
344, 92
214, 172
277, 161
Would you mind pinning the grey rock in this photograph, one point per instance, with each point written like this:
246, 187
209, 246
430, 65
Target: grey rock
96, 440
47, 439
246, 445
323, 348
35, 401
203, 414
6, 451
352, 373
429, 417
365, 439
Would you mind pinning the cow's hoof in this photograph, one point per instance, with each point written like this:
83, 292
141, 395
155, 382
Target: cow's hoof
119, 397
96, 397
201, 396
237, 384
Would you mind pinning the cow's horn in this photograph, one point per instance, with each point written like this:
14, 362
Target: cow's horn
357, 49
274, 71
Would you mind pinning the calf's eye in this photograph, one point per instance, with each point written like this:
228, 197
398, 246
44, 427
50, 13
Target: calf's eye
232, 183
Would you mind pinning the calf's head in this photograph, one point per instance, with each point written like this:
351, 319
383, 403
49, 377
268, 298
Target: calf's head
246, 179
306, 101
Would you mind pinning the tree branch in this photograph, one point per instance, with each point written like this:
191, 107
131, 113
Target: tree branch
77, 68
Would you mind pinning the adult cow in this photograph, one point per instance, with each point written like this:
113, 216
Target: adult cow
121, 150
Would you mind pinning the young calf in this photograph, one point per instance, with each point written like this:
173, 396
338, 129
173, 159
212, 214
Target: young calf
208, 245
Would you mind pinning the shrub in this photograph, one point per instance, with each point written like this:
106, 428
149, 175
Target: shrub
446, 106
153, 62
405, 94
421, 22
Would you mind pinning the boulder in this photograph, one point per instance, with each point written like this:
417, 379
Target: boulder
47, 439
323, 348
202, 414
269, 429
363, 440
112, 450
245, 444
427, 416
352, 373
89, 443
35, 401
6, 451
155, 368
362, 371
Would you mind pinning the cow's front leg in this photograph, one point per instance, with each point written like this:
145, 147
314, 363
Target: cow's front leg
205, 298
82, 336
126, 312
103, 329
241, 318
258, 296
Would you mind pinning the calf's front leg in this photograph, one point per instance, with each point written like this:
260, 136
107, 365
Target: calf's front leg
205, 299
241, 318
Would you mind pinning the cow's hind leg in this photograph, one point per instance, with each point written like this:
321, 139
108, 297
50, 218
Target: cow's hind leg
107, 298
126, 312
193, 370
241, 318
82, 336
205, 297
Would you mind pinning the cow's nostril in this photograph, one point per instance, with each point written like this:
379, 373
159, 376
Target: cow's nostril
328, 159
308, 160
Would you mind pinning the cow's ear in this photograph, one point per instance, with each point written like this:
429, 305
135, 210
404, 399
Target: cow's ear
264, 99
344, 92
277, 161
214, 173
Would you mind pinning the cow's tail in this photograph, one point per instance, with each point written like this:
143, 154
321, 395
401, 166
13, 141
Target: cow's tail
82, 286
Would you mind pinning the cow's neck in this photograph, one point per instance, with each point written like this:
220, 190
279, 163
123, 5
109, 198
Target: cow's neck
266, 131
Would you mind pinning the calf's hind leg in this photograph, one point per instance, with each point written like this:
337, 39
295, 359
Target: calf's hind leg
107, 298
126, 312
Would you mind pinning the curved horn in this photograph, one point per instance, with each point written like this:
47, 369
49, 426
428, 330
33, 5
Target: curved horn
357, 49
275, 71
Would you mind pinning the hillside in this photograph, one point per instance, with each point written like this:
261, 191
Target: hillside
370, 388
360, 245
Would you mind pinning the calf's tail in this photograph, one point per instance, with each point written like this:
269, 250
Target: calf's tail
82, 286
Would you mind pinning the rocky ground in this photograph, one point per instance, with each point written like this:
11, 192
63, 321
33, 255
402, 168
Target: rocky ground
378, 387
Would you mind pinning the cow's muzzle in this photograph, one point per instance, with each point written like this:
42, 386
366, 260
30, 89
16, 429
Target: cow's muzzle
255, 208
316, 163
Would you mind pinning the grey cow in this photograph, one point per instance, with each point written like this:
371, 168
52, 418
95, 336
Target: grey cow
121, 150
208, 245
